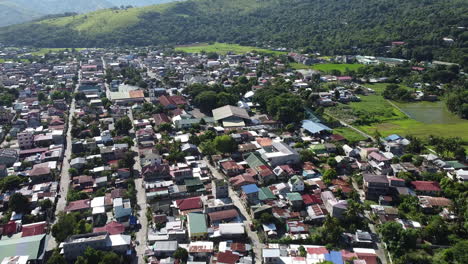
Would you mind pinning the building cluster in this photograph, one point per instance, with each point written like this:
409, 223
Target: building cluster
114, 138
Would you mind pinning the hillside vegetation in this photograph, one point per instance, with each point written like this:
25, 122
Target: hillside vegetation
328, 26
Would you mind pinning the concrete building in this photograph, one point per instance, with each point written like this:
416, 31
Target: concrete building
25, 139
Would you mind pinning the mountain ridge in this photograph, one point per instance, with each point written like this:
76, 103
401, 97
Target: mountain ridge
330, 26
20, 11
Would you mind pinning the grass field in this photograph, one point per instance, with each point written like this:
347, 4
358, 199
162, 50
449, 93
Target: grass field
224, 48
389, 120
44, 51
327, 67
349, 134
105, 20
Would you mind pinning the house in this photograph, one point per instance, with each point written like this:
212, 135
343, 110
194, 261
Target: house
31, 248
279, 153
122, 209
231, 168
375, 186
430, 188
75, 246
231, 230
231, 116
8, 157
40, 173
156, 172
197, 228
335, 207
78, 163
250, 193
222, 216
162, 249
78, 206
295, 200
113, 228
189, 204
296, 184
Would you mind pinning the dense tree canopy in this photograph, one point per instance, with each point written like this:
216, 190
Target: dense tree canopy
331, 27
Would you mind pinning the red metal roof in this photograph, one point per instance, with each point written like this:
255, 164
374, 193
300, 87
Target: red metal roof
34, 229
78, 205
428, 186
189, 203
113, 228
227, 257
222, 215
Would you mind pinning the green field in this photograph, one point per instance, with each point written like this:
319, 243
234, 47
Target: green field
105, 20
224, 48
44, 51
349, 134
426, 118
327, 67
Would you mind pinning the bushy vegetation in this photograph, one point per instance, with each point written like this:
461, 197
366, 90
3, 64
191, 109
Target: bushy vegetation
333, 27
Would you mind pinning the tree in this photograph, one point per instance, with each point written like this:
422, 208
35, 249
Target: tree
45, 204
398, 239
128, 161
302, 251
436, 231
328, 176
225, 144
208, 148
56, 258
123, 125
19, 203
64, 227
206, 101
10, 183
332, 162
181, 253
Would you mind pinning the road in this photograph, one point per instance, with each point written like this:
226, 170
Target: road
142, 234
256, 244
64, 175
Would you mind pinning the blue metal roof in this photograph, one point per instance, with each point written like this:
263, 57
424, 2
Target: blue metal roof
250, 188
392, 137
335, 257
314, 127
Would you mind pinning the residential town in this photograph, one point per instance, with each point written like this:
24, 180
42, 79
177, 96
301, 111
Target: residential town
157, 156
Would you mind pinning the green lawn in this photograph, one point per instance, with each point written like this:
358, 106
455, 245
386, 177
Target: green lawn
349, 134
2, 60
327, 67
44, 51
389, 120
416, 128
224, 48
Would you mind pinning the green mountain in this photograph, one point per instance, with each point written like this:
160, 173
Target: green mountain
328, 26
20, 11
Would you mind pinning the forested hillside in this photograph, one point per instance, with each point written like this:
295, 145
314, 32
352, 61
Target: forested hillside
328, 26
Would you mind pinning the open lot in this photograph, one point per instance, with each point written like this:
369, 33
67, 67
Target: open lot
328, 67
224, 48
418, 119
44, 51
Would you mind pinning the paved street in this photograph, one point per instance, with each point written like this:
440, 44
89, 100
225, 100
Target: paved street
256, 244
142, 234
64, 175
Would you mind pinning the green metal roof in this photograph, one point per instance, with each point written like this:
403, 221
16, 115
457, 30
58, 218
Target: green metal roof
193, 182
32, 246
455, 164
266, 194
255, 160
197, 223
294, 196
